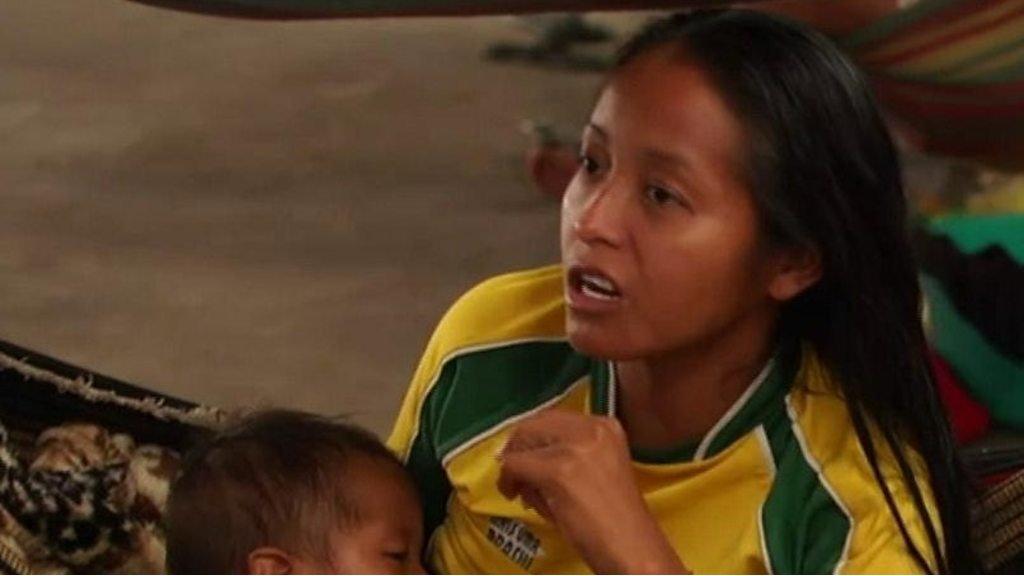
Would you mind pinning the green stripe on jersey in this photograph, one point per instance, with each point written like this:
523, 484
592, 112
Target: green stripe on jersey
805, 530
483, 388
431, 482
601, 389
763, 403
760, 404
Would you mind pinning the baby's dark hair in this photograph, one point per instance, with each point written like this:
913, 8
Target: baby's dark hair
277, 478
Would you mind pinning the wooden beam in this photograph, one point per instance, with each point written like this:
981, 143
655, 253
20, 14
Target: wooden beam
328, 9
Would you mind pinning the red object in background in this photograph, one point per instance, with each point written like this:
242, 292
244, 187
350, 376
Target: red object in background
550, 162
970, 419
551, 166
993, 480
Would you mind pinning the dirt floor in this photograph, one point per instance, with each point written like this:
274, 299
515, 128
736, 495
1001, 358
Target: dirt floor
261, 213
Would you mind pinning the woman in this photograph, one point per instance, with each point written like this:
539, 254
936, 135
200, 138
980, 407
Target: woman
727, 373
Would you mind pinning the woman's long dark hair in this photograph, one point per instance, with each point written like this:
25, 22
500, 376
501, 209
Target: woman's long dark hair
825, 174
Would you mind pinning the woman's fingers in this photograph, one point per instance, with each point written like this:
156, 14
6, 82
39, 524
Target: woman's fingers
524, 467
528, 474
535, 500
547, 455
575, 470
533, 449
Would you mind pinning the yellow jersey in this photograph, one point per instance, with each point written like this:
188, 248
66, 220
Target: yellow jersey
779, 485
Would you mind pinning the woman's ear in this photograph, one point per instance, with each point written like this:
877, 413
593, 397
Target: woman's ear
269, 560
796, 269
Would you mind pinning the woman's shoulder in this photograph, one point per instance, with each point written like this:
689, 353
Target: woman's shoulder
821, 413
523, 305
821, 416
831, 452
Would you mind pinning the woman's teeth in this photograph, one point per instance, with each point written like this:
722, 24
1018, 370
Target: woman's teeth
598, 287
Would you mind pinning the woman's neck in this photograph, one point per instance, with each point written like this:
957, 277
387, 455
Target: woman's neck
668, 400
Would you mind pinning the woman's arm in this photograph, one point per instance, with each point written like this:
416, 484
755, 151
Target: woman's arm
575, 470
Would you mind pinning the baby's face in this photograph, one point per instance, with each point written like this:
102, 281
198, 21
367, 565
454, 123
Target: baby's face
388, 536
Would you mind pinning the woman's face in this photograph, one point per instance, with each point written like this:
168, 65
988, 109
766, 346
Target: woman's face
660, 236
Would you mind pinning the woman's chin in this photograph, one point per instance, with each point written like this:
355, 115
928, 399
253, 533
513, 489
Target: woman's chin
599, 344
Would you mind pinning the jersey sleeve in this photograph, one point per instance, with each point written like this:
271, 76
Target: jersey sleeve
502, 309
407, 425
505, 308
412, 438
826, 512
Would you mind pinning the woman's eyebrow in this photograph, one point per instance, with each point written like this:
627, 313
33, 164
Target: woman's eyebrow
665, 157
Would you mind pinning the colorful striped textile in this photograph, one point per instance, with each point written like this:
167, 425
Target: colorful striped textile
954, 71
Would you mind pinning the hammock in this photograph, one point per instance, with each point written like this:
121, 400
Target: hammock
308, 9
954, 71
37, 391
86, 461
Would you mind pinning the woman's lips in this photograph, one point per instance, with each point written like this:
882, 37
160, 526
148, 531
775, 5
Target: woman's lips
591, 290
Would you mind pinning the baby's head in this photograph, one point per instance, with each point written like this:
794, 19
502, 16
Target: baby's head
288, 492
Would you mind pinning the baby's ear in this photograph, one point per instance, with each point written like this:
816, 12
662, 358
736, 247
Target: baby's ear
270, 560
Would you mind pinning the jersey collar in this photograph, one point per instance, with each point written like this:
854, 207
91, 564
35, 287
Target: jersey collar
765, 393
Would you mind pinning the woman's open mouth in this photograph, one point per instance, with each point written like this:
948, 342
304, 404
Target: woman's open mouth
589, 288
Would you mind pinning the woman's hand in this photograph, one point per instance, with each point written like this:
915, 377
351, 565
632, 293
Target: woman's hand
575, 471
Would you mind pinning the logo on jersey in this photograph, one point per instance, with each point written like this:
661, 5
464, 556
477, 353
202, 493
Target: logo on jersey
514, 540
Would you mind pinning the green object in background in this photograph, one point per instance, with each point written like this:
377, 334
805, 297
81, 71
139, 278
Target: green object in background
975, 307
972, 234
992, 378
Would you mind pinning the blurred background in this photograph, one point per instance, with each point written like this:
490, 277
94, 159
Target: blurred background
239, 212
242, 212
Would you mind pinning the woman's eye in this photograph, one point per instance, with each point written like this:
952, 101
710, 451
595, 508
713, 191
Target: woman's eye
588, 164
661, 196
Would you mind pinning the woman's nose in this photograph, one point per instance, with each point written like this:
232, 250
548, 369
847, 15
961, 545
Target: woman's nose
601, 218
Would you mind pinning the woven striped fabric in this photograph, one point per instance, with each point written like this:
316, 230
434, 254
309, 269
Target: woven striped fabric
954, 71
999, 525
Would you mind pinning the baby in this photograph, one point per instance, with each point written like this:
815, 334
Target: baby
287, 492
